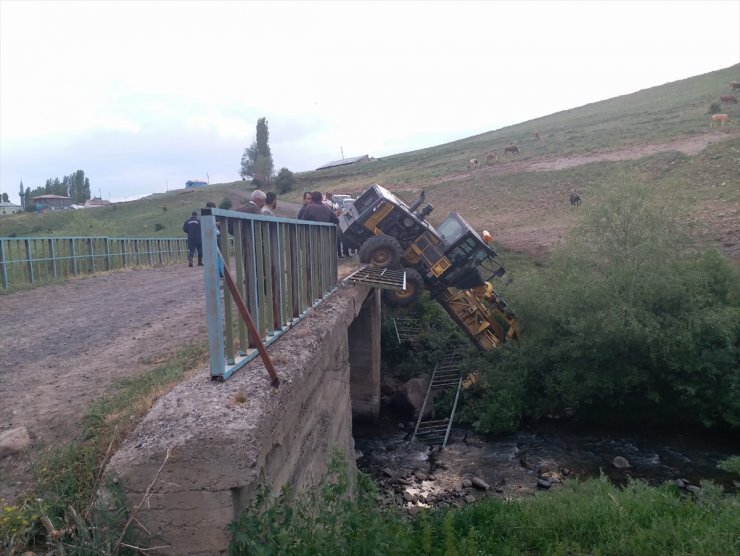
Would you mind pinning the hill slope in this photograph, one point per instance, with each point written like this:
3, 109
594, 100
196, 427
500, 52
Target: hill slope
659, 137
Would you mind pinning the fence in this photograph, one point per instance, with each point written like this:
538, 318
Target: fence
31, 261
282, 268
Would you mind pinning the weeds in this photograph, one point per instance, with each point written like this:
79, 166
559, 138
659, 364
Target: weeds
62, 514
592, 517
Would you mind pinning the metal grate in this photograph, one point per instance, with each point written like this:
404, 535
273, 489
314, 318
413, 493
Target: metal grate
366, 200
383, 278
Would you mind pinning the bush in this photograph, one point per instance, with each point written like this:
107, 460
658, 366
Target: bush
285, 180
225, 204
158, 227
625, 324
715, 108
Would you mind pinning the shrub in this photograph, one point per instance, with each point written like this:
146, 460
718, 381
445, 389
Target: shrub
158, 227
715, 108
285, 180
225, 204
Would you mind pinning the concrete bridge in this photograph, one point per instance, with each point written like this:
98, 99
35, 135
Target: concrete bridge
197, 458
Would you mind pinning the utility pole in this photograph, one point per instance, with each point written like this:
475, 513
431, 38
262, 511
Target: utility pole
342, 151
209, 178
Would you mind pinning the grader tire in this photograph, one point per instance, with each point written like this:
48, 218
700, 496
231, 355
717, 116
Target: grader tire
381, 251
414, 287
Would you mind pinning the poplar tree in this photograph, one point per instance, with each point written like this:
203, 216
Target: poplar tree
257, 159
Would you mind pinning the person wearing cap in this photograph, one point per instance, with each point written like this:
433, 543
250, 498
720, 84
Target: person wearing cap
195, 243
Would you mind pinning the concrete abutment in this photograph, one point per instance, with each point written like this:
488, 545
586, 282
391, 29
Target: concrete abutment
222, 448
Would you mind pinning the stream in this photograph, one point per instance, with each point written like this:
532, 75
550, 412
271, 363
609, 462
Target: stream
539, 457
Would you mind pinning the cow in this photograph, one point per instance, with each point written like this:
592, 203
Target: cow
473, 163
720, 119
734, 85
513, 149
575, 199
729, 99
491, 158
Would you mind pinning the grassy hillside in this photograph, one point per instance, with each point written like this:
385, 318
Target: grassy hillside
521, 199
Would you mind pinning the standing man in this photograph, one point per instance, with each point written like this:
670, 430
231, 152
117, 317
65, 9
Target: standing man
192, 228
317, 211
270, 204
255, 204
306, 202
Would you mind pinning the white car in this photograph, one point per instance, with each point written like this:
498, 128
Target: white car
337, 200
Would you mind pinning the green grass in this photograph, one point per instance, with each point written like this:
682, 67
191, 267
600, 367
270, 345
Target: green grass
591, 517
67, 478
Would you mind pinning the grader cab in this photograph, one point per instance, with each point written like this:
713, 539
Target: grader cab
451, 261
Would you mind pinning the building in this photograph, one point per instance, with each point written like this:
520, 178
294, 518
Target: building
345, 161
53, 202
195, 183
96, 202
9, 208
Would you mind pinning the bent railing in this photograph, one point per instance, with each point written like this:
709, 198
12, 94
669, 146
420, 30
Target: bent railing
31, 261
281, 267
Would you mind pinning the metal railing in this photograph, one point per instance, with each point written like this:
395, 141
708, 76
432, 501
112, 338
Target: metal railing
282, 268
32, 261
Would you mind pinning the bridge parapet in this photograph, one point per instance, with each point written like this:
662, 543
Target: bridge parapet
283, 268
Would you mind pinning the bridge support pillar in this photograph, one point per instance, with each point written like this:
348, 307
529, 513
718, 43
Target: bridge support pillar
364, 358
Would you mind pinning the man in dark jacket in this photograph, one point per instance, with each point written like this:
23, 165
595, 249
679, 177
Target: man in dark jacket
192, 228
317, 211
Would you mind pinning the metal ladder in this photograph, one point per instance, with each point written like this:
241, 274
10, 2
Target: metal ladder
407, 328
446, 375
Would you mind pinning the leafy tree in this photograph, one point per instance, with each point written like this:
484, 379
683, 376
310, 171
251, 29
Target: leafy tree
257, 159
285, 180
626, 323
6, 199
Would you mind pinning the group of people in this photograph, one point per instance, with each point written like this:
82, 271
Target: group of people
319, 208
316, 208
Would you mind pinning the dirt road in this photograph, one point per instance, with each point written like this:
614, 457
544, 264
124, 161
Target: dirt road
62, 346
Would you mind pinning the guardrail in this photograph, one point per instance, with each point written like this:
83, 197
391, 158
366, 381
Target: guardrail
31, 261
281, 267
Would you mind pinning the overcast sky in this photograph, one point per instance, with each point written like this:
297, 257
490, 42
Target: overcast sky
143, 96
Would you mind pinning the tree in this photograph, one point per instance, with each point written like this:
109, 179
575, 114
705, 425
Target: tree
257, 159
285, 180
6, 199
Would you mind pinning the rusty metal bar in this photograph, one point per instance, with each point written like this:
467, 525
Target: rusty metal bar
247, 318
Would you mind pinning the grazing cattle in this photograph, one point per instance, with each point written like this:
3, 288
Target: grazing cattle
734, 85
575, 199
729, 99
491, 157
720, 119
513, 149
473, 163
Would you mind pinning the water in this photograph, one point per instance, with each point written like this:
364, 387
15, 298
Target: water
554, 450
